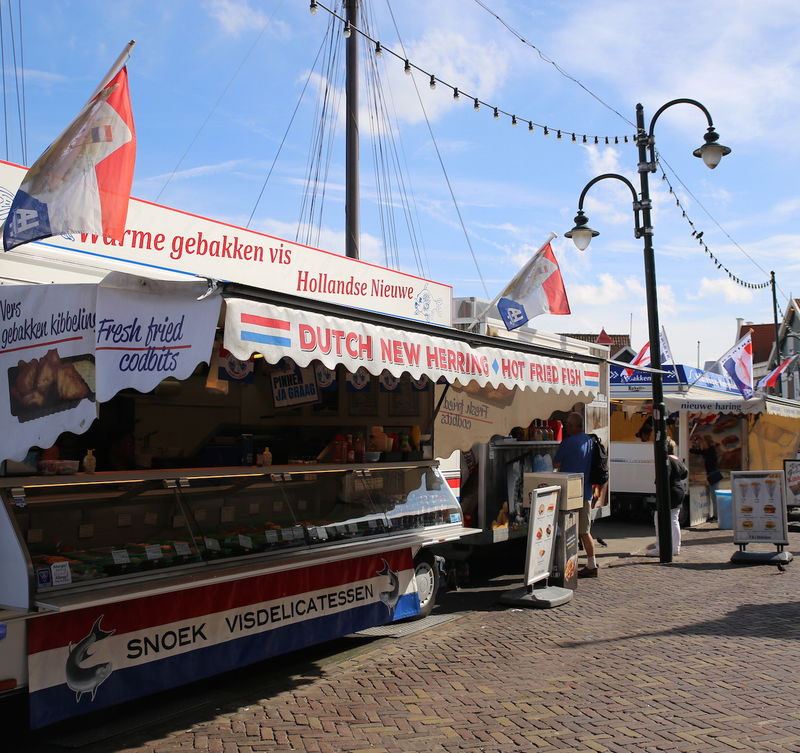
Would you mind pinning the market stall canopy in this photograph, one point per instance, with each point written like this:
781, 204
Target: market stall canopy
701, 401
305, 336
66, 348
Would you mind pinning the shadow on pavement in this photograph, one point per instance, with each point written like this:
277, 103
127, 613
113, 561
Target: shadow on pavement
779, 621
134, 723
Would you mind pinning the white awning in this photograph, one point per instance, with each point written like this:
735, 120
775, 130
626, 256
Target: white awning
306, 336
701, 401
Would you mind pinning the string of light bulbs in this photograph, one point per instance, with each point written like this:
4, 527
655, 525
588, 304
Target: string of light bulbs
698, 235
561, 134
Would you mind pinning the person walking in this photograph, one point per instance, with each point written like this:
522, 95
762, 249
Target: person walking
706, 448
574, 455
677, 475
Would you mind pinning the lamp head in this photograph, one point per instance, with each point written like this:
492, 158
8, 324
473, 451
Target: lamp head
581, 234
711, 152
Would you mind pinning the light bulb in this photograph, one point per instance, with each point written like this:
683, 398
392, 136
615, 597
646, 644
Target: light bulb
477, 105
546, 132
496, 114
346, 30
313, 6
433, 81
513, 120
378, 50
455, 93
407, 68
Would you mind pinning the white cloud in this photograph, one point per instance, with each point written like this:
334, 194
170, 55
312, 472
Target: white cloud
724, 288
236, 16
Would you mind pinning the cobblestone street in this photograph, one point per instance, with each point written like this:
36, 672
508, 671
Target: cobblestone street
698, 655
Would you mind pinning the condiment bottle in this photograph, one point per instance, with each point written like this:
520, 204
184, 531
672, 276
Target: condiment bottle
267, 455
89, 462
358, 449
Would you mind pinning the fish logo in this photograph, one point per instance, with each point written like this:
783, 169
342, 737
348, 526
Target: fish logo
83, 679
392, 596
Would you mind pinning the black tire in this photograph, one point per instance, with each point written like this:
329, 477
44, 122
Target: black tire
426, 573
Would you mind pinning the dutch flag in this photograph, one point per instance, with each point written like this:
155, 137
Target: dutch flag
266, 330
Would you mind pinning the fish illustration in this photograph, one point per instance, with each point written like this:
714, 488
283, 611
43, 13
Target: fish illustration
87, 679
392, 596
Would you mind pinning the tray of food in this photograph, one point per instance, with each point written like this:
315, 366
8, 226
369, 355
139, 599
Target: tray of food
51, 384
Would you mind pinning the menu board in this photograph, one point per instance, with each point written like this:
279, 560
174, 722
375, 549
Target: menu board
541, 533
792, 470
759, 507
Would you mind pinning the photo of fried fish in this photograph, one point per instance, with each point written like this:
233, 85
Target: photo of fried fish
49, 384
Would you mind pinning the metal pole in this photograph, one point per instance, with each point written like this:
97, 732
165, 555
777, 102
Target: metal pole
777, 341
659, 419
351, 137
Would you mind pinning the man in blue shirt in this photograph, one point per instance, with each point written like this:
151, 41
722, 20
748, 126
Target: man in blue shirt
574, 455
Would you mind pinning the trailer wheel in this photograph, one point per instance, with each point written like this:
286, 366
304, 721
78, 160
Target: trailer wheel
426, 573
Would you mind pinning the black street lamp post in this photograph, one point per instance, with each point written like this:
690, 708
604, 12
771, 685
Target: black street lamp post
710, 152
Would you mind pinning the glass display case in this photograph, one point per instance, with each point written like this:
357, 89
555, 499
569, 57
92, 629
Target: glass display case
92, 528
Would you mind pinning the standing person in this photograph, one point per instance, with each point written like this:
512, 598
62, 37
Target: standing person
677, 475
574, 455
705, 447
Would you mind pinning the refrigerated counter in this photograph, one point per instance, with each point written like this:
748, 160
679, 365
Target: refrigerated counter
229, 562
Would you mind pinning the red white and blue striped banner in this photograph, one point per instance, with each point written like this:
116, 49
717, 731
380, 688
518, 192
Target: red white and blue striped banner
304, 336
90, 659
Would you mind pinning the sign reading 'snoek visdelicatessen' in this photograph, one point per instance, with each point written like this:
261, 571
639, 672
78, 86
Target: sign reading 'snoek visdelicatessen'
160, 238
85, 660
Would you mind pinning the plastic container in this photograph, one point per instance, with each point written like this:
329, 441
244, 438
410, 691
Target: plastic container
725, 509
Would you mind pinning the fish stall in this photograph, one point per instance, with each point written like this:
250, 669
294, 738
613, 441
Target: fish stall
221, 450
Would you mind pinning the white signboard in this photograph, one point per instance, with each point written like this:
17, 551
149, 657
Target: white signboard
304, 336
148, 330
792, 470
541, 533
46, 364
168, 240
759, 507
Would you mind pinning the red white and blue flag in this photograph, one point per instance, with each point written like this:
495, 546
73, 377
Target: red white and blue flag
82, 182
643, 356
771, 379
538, 288
265, 330
738, 363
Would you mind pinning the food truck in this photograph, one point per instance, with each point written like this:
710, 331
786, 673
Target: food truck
490, 438
703, 409
204, 473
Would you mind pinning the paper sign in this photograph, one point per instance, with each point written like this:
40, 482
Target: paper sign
272, 537
541, 533
148, 330
181, 548
120, 556
153, 552
61, 573
294, 386
212, 545
46, 365
245, 541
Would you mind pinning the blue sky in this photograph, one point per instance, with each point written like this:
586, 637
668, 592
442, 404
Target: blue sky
215, 83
